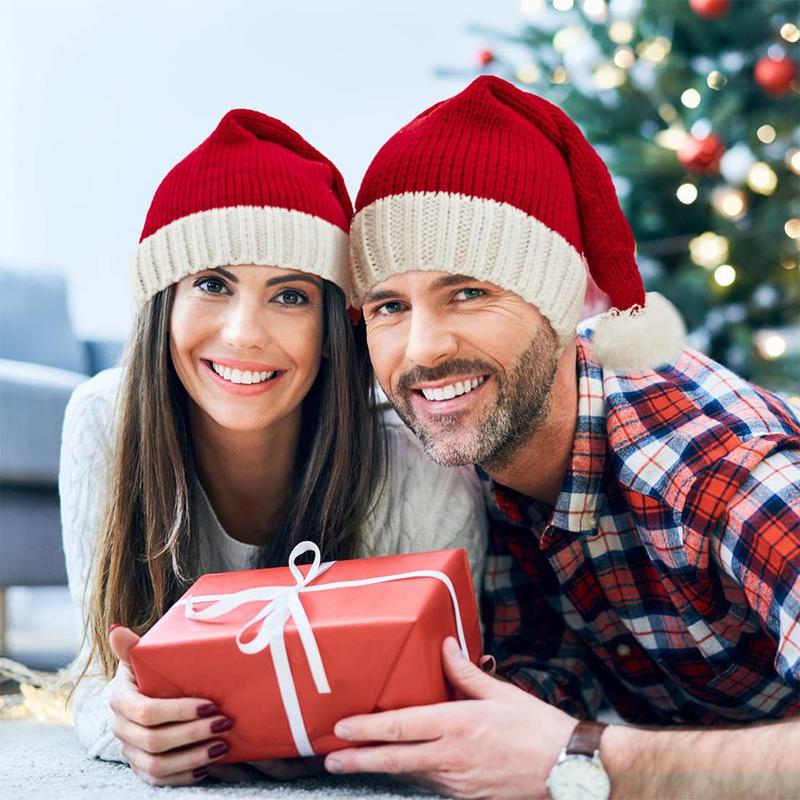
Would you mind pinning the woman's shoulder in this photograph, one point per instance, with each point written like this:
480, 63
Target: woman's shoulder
408, 462
98, 395
422, 505
91, 413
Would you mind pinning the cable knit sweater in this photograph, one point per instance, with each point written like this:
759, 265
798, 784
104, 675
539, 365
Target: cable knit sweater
423, 506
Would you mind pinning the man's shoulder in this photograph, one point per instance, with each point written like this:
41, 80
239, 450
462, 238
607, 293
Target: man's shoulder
666, 426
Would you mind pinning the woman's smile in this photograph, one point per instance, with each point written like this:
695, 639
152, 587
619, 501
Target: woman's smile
241, 380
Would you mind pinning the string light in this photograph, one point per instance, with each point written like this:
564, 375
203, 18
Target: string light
766, 134
596, 10
563, 5
770, 345
672, 138
668, 113
686, 193
790, 32
691, 98
709, 249
532, 8
624, 57
792, 228
787, 263
730, 202
655, 50
607, 76
716, 80
568, 37
762, 178
793, 160
560, 75
724, 275
620, 32
528, 73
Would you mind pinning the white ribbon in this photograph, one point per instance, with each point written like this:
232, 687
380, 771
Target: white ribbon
284, 602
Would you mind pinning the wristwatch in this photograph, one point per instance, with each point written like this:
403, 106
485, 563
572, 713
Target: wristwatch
579, 774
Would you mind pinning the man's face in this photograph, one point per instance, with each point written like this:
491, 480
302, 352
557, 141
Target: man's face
468, 366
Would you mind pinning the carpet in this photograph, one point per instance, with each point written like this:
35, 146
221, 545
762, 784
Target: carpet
40, 761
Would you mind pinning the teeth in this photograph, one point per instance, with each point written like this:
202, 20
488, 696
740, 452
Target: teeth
245, 376
452, 390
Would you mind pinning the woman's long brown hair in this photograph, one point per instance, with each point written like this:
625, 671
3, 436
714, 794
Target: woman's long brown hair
145, 552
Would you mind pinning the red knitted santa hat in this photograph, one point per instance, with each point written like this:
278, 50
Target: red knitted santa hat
501, 185
254, 192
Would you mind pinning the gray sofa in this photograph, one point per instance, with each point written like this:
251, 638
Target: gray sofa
41, 362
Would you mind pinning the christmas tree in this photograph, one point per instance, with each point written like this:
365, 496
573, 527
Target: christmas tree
693, 105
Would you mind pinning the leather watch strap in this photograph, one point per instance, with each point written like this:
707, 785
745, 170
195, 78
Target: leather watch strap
585, 739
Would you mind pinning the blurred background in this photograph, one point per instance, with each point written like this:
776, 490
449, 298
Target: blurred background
693, 104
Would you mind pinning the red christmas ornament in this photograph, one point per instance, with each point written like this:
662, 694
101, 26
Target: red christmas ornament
701, 156
485, 57
775, 75
710, 9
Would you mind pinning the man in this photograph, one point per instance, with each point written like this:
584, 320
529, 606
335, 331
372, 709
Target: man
645, 501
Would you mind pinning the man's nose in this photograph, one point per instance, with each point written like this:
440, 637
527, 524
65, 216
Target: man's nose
430, 339
245, 324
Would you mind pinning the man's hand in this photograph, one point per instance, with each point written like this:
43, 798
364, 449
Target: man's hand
501, 742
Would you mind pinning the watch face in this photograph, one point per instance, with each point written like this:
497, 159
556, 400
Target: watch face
578, 778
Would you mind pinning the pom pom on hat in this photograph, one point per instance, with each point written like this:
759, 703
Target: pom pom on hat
501, 185
638, 339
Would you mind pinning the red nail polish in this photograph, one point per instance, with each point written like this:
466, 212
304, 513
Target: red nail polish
200, 772
221, 725
208, 710
217, 750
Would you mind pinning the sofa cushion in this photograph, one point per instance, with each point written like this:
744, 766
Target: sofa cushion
34, 321
32, 403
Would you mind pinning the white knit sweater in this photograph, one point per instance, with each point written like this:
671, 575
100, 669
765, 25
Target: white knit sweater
423, 507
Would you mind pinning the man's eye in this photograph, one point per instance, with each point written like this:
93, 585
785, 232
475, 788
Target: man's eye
470, 293
291, 297
211, 285
387, 309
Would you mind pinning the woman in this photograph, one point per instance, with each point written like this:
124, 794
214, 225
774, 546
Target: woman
240, 424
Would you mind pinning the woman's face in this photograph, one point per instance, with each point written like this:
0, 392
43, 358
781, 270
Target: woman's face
246, 342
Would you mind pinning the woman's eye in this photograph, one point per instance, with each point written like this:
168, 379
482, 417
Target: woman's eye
469, 293
291, 297
211, 285
387, 309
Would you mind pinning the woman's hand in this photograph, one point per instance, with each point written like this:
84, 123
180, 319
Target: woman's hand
167, 742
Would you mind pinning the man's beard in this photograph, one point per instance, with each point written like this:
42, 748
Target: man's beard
522, 405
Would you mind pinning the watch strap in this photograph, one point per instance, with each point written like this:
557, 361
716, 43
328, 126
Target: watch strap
585, 739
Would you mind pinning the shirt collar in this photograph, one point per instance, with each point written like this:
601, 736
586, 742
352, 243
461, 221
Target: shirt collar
576, 507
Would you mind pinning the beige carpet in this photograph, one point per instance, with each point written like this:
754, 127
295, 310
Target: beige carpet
39, 761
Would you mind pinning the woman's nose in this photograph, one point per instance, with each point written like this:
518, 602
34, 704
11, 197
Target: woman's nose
245, 325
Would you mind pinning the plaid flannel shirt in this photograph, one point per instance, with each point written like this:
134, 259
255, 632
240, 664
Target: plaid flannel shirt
666, 579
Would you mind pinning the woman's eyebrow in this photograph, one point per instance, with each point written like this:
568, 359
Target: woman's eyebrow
295, 276
229, 275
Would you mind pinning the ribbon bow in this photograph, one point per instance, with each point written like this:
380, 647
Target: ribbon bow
284, 602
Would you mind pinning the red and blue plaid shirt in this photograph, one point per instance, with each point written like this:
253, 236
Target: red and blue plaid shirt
666, 579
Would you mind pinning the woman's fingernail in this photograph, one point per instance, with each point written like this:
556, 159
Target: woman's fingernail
200, 772
221, 725
217, 750
208, 710
115, 625
333, 765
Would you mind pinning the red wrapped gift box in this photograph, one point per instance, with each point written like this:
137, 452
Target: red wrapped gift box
287, 652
